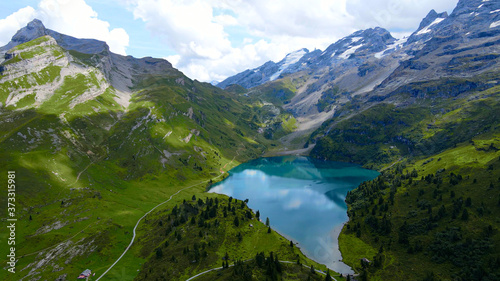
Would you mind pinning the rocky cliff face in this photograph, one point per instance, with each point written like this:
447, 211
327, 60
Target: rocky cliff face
85, 127
120, 71
372, 63
269, 71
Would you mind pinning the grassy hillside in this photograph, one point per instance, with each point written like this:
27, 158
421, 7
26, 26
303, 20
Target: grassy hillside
431, 217
265, 271
431, 214
201, 234
88, 167
374, 133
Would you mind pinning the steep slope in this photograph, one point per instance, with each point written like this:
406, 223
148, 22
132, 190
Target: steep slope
432, 127
430, 219
463, 44
372, 66
312, 87
432, 213
269, 71
98, 139
459, 59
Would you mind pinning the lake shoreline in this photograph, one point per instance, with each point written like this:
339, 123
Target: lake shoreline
304, 199
335, 232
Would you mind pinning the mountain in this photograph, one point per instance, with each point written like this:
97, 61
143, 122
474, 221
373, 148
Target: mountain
446, 58
269, 71
371, 64
424, 111
349, 52
98, 139
36, 29
432, 128
366, 51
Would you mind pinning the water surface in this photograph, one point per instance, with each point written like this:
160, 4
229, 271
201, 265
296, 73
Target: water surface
303, 198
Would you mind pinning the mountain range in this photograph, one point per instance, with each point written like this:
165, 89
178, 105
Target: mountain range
98, 139
373, 64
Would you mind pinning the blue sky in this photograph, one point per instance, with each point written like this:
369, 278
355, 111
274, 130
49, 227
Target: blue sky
213, 39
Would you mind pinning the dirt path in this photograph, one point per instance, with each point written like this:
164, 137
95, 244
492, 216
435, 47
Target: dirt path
229, 163
395, 162
289, 262
137, 224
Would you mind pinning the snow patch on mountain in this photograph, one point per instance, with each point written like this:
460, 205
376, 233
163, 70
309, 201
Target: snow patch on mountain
495, 24
356, 39
427, 28
289, 60
350, 51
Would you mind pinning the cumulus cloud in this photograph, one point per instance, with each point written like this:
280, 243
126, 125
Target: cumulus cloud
74, 18
310, 19
200, 32
213, 39
187, 26
14, 22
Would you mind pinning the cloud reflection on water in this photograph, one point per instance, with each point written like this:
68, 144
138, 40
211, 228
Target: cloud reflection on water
303, 198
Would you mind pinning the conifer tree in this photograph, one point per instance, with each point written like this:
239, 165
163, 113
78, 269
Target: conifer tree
328, 277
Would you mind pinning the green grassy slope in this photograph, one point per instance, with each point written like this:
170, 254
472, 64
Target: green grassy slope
431, 214
433, 217
86, 172
198, 235
376, 133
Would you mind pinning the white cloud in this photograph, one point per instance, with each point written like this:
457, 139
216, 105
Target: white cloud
226, 20
14, 22
74, 18
271, 29
214, 39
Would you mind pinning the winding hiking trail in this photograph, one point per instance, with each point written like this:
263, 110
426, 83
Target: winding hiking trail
290, 262
229, 163
137, 224
170, 198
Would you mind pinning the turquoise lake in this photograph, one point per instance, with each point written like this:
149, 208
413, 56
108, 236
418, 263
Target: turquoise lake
303, 198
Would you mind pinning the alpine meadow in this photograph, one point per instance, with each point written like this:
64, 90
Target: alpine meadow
112, 166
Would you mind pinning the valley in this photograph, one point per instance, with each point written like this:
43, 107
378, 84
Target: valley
115, 156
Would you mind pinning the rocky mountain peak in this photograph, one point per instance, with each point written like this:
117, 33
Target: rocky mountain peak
427, 27
32, 30
469, 7
377, 38
35, 29
430, 18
